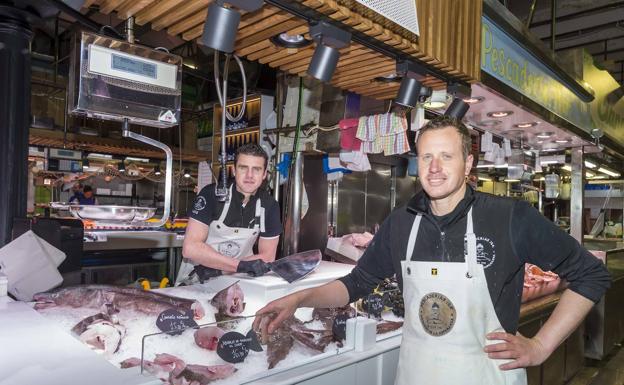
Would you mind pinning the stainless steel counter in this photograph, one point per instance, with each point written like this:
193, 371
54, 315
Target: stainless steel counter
98, 241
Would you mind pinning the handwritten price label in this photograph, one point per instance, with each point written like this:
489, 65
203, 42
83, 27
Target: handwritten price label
373, 304
233, 347
339, 327
175, 321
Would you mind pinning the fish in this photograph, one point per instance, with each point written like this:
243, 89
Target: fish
208, 337
115, 297
279, 344
163, 367
101, 333
327, 315
229, 301
202, 374
388, 326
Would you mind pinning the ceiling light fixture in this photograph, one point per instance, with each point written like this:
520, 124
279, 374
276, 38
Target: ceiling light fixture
329, 39
589, 174
512, 180
590, 164
457, 109
474, 99
567, 168
499, 114
411, 90
157, 170
391, 78
484, 179
222, 23
563, 141
544, 135
525, 124
85, 164
609, 172
290, 41
437, 100
186, 173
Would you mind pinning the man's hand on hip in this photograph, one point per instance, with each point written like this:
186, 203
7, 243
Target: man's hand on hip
255, 268
522, 351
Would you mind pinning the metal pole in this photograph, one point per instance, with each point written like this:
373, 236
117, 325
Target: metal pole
297, 196
15, 38
279, 105
577, 194
130, 33
553, 22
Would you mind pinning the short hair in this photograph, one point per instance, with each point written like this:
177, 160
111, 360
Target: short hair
442, 121
87, 189
252, 149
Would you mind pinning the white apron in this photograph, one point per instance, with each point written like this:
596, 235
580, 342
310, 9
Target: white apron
233, 242
448, 312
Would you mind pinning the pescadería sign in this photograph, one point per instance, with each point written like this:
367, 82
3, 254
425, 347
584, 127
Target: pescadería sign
512, 64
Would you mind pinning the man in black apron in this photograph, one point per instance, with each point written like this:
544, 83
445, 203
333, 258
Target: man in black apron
459, 256
220, 235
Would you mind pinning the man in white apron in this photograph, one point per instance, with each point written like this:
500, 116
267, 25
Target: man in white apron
461, 319
221, 235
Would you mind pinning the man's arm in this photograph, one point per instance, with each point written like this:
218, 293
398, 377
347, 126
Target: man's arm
537, 240
267, 247
332, 294
567, 316
196, 249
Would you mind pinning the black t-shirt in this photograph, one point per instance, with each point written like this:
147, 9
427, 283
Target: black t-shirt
207, 208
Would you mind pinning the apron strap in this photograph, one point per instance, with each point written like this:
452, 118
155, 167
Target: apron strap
226, 207
411, 242
260, 216
471, 248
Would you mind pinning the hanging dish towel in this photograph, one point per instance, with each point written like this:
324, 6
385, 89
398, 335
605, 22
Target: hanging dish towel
348, 131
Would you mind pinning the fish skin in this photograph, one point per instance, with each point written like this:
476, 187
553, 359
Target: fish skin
229, 301
208, 337
103, 337
126, 298
388, 326
203, 374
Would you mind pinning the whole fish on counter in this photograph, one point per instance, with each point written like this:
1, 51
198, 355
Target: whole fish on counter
117, 297
101, 332
230, 302
174, 371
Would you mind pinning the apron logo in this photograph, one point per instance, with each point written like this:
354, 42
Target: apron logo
437, 314
434, 271
229, 249
200, 203
485, 252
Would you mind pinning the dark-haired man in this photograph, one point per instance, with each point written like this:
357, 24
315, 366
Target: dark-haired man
221, 235
431, 246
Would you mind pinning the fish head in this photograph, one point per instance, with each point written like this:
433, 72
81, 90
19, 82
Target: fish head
234, 300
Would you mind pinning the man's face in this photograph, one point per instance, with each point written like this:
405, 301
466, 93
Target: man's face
441, 165
88, 194
249, 173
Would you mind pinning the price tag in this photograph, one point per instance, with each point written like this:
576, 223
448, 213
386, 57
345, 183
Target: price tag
233, 347
175, 321
254, 343
339, 327
373, 304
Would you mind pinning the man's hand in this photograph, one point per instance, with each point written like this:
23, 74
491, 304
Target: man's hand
205, 273
278, 311
255, 268
523, 351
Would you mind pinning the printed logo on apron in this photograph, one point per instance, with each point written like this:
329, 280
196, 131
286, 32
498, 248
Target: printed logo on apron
228, 248
437, 314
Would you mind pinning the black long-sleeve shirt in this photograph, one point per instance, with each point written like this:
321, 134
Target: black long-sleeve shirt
509, 234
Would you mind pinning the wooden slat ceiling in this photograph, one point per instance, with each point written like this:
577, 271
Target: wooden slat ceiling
449, 38
47, 138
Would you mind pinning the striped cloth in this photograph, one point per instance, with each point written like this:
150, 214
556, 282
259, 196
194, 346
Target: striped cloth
383, 133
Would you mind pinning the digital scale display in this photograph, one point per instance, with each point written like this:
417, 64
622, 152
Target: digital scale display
133, 66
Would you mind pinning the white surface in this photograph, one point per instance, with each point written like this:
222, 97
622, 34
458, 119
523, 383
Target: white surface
346, 249
29, 266
34, 351
270, 286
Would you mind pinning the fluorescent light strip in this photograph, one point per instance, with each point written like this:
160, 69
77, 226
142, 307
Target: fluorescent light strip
512, 180
608, 172
485, 179
567, 168
589, 174
589, 164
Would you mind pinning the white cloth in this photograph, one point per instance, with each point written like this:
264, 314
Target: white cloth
233, 242
355, 160
448, 312
204, 175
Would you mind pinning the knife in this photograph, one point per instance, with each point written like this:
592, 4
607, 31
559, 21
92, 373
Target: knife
296, 266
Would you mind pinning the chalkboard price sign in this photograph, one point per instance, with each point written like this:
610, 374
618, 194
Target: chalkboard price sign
373, 304
339, 327
175, 321
233, 347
